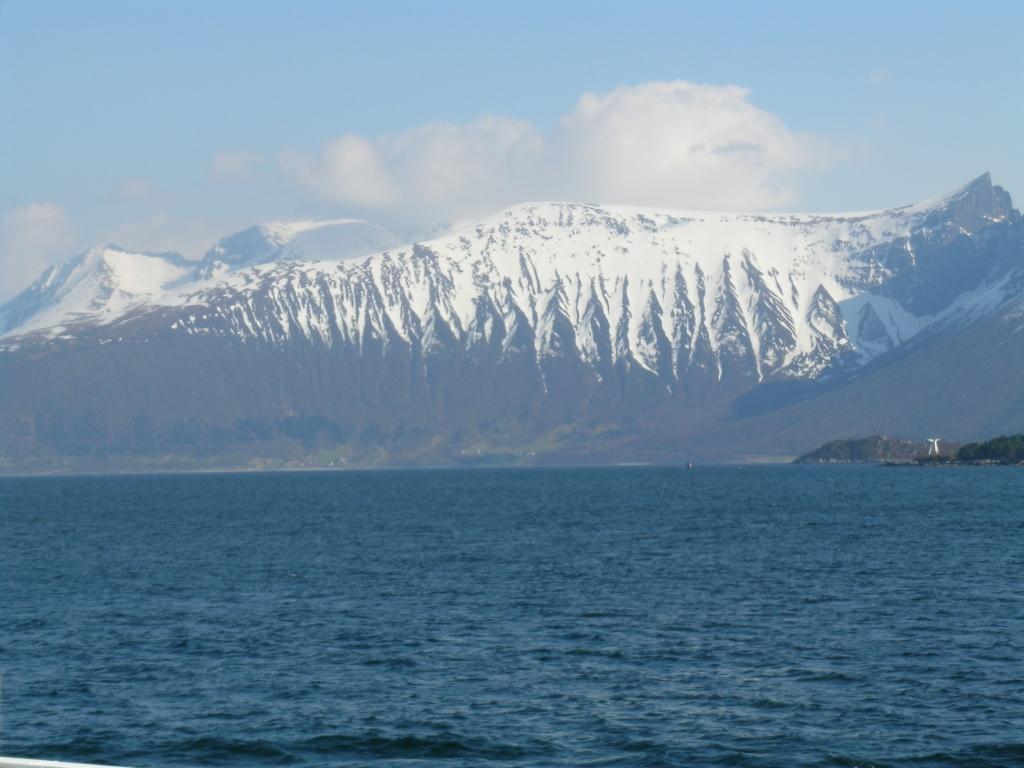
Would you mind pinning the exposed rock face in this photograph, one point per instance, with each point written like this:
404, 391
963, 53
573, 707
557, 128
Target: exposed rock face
546, 324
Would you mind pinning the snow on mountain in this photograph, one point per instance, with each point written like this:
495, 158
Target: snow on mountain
593, 332
678, 294
288, 240
106, 282
97, 286
668, 291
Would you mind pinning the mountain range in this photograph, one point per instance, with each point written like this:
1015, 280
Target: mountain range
548, 332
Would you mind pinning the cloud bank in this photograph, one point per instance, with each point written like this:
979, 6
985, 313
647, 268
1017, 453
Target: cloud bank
667, 144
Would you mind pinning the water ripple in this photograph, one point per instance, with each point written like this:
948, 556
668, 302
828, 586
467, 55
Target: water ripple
774, 617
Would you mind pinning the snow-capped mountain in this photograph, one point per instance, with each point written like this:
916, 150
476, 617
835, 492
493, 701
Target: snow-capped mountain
289, 240
543, 316
98, 286
106, 283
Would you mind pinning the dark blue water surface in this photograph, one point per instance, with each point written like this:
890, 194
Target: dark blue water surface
756, 616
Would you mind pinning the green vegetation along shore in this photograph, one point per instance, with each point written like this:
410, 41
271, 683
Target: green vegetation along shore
1006, 449
879, 449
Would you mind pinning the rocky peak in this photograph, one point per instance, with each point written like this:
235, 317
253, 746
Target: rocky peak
975, 206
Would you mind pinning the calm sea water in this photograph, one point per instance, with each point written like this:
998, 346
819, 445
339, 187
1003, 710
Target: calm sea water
758, 616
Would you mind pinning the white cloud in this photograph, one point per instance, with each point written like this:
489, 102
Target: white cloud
678, 144
668, 144
450, 170
671, 144
349, 169
31, 237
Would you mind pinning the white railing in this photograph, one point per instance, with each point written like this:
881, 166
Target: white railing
21, 762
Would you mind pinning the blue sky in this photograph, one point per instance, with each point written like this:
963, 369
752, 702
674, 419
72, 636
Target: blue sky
167, 124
